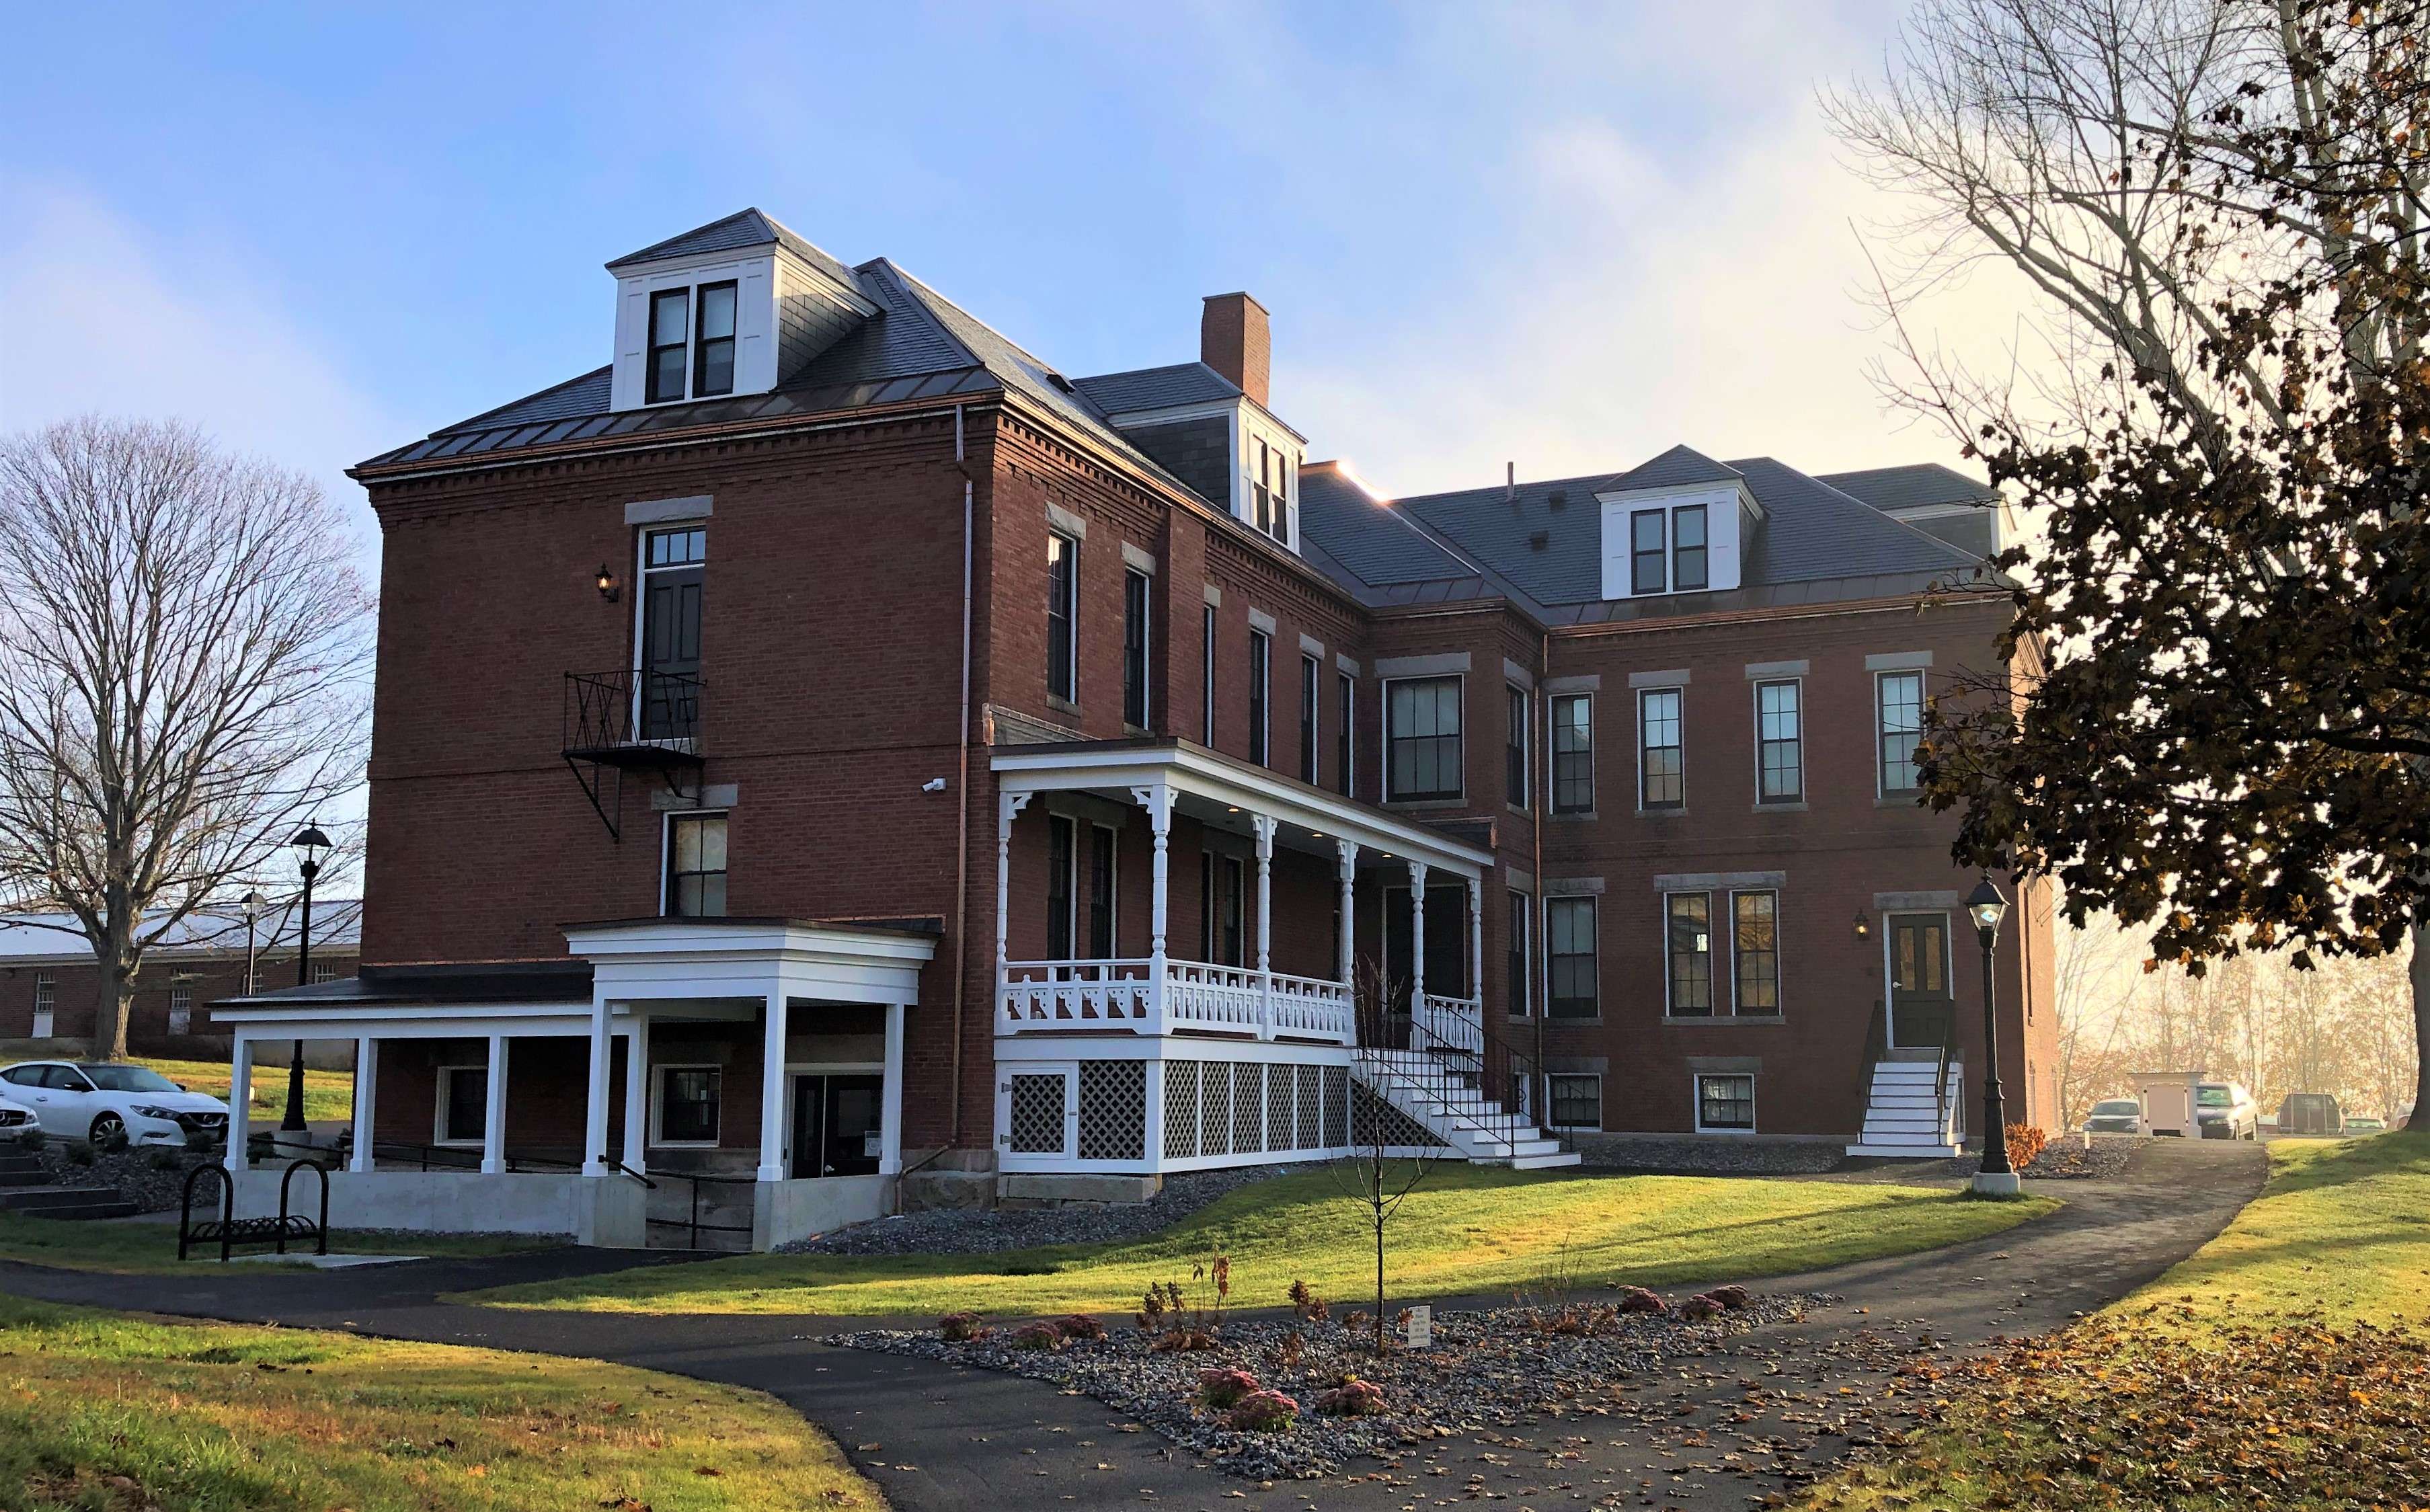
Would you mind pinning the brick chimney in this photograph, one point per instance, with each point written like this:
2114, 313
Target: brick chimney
1235, 341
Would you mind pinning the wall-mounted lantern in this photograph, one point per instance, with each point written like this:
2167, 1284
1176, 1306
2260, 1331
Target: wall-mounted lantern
608, 586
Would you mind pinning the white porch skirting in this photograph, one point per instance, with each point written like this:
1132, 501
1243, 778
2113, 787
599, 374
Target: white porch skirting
589, 1209
783, 1211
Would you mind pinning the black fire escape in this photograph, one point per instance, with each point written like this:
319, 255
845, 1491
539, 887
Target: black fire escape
644, 720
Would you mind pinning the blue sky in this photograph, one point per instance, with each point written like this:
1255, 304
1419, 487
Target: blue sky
1570, 236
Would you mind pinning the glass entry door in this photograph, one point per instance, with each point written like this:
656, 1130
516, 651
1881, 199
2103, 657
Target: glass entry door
835, 1123
1920, 1004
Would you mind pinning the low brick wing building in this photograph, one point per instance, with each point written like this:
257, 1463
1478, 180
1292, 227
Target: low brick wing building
51, 988
828, 759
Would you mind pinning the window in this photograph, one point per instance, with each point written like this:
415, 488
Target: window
1135, 602
1310, 673
1207, 680
1261, 510
323, 973
46, 1001
1780, 749
687, 1105
1689, 924
1576, 1102
1207, 909
1269, 491
181, 1008
1687, 572
1900, 698
1514, 749
670, 337
1569, 937
695, 866
1725, 1105
1574, 754
1060, 859
1754, 938
712, 361
674, 576
1645, 564
1345, 706
1062, 617
463, 1104
1228, 941
1522, 987
1262, 653
1661, 768
1101, 892
1421, 738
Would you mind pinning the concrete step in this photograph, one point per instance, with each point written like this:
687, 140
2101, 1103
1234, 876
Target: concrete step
1875, 1150
25, 1178
1548, 1161
66, 1201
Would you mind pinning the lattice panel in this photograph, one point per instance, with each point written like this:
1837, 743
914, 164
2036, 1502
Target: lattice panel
1037, 1114
1113, 1109
1248, 1109
1279, 1109
1311, 1107
1180, 1109
1337, 1106
1215, 1108
1374, 1121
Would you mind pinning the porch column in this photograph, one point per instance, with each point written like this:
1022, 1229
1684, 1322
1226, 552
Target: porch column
772, 1092
636, 1093
594, 1107
890, 1097
493, 1115
1476, 942
1265, 827
239, 1105
1417, 936
366, 1101
1347, 853
1157, 799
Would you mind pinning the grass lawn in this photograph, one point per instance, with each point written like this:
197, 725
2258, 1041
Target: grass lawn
135, 1247
112, 1410
328, 1094
2280, 1365
1469, 1229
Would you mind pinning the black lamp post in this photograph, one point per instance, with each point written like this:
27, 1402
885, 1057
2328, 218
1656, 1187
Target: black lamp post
308, 844
1987, 907
254, 904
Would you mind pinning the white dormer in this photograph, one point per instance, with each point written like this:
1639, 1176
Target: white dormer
1266, 480
1676, 537
732, 307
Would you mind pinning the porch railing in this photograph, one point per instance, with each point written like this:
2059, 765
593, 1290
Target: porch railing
1190, 995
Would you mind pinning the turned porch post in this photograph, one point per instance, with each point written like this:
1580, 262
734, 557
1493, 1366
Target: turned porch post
1346, 852
1157, 799
1476, 942
1265, 826
1417, 947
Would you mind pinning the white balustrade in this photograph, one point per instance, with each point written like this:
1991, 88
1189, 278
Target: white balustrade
1198, 996
1453, 1024
1061, 994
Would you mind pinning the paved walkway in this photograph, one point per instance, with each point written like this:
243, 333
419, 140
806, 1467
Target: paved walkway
1719, 1433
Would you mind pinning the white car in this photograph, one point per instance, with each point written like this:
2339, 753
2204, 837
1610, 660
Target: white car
103, 1102
16, 1122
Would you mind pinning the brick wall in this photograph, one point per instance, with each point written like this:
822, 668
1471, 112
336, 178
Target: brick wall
77, 997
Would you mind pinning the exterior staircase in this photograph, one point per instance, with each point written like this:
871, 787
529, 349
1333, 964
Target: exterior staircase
25, 1188
1438, 1090
1911, 1113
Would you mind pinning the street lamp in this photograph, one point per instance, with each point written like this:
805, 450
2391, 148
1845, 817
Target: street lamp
254, 904
1987, 907
309, 846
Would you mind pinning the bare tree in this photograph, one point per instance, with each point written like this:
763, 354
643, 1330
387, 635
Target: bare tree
184, 660
1390, 1153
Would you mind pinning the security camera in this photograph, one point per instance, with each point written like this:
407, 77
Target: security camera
933, 785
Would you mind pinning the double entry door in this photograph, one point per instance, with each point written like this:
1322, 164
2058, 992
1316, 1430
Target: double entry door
835, 1123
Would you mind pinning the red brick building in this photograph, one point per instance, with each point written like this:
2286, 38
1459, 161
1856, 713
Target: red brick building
51, 988
950, 779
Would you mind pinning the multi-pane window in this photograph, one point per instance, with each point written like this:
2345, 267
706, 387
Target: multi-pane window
46, 1001
695, 866
1754, 939
1514, 749
1219, 884
1261, 663
712, 362
1063, 616
1521, 988
687, 1105
1269, 491
463, 1104
1421, 738
1901, 697
1228, 940
1688, 922
1345, 700
1661, 766
1645, 555
670, 340
1688, 570
181, 1008
1574, 754
1135, 606
1311, 677
1570, 945
1725, 1104
1206, 679
1576, 1101
1061, 844
1102, 892
1780, 746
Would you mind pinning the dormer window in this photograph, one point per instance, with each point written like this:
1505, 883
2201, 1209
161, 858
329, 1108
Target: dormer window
1687, 548
1666, 550
1269, 491
1645, 563
669, 338
712, 368
673, 350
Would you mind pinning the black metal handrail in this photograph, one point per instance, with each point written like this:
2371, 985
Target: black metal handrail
1940, 1080
1445, 1073
421, 1156
631, 708
692, 1222
621, 1169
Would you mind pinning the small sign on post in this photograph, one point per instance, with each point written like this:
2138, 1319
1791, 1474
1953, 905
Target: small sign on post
1422, 1326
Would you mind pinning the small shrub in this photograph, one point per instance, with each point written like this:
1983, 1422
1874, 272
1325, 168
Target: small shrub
1732, 1297
1290, 1351
1355, 1320
962, 1328
79, 1154
1353, 1398
1699, 1307
1264, 1412
1079, 1325
1638, 1299
1225, 1388
1041, 1338
163, 1160
2026, 1142
1152, 1306
1307, 1304
1182, 1339
34, 1141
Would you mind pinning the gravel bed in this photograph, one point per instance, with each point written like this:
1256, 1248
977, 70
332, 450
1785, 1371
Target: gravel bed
1486, 1369
1733, 1157
986, 1231
131, 1172
2068, 1159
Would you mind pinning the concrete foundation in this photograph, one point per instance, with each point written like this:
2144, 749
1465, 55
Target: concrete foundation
1032, 1192
434, 1202
784, 1211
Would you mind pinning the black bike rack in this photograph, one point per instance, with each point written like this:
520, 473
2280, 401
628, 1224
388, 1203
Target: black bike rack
230, 1231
